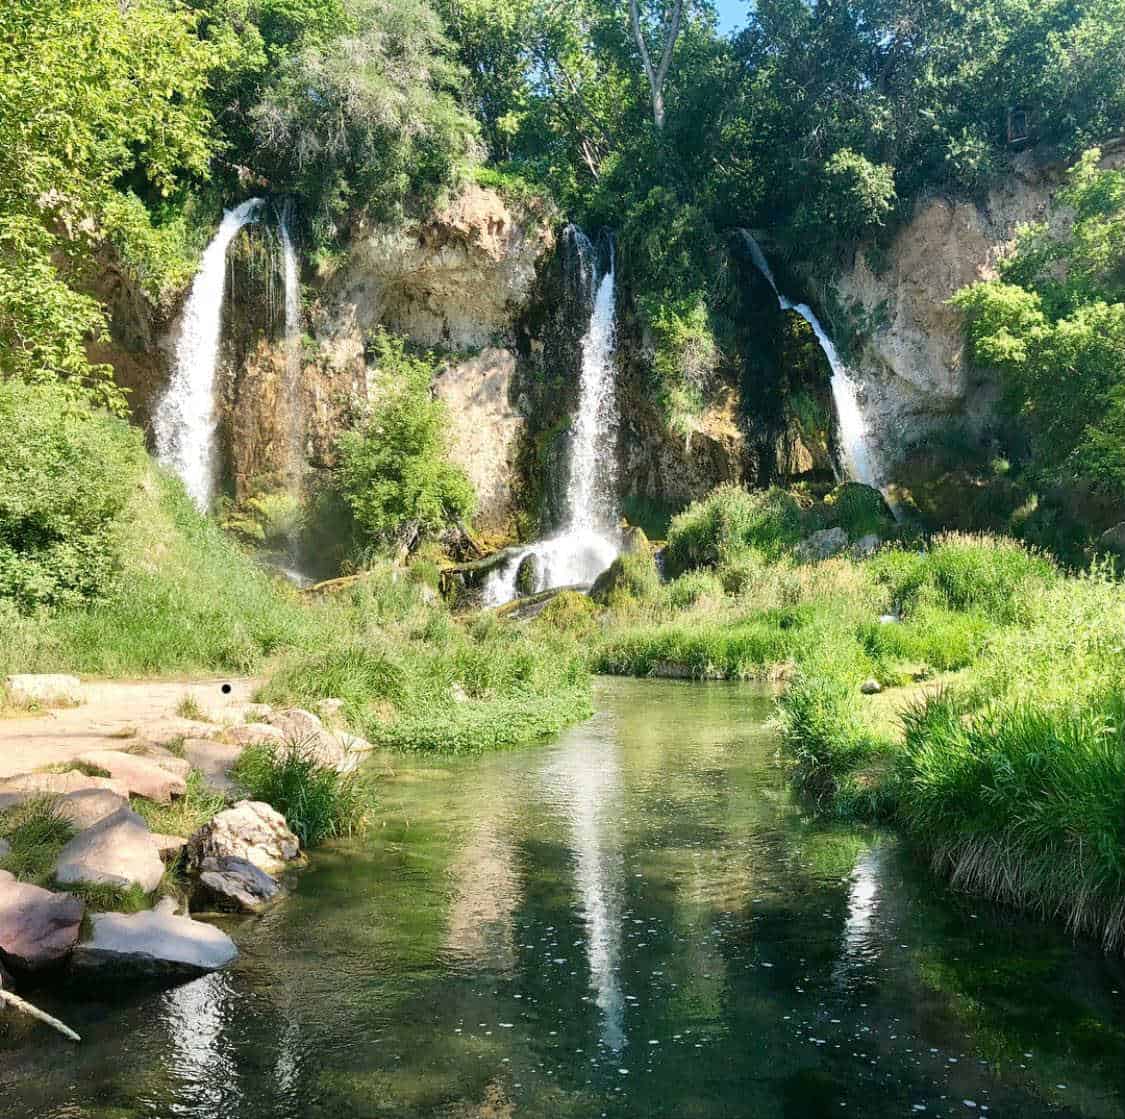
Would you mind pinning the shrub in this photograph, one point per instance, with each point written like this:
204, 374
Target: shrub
318, 802
859, 510
66, 475
691, 587
728, 520
392, 468
570, 611
631, 577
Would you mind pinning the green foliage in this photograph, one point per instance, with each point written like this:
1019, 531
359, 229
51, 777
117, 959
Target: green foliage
852, 197
317, 801
859, 510
91, 93
392, 468
366, 116
691, 587
730, 519
1024, 803
37, 833
66, 477
186, 814
632, 577
1054, 325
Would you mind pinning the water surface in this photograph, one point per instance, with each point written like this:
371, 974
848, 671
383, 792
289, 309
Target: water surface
635, 920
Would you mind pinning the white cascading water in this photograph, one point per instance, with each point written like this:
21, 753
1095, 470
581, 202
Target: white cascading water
854, 444
587, 543
184, 421
292, 274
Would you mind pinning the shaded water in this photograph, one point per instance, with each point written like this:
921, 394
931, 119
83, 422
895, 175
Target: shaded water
635, 920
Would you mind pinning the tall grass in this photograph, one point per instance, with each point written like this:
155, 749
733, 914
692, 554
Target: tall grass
318, 802
37, 833
1024, 803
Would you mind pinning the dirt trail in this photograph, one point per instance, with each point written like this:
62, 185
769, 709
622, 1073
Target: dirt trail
117, 714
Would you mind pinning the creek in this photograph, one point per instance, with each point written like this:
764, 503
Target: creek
636, 919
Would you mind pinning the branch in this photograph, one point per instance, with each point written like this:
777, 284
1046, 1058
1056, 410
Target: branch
669, 40
17, 1003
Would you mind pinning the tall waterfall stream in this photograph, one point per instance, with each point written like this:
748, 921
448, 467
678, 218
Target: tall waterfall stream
854, 443
184, 422
587, 542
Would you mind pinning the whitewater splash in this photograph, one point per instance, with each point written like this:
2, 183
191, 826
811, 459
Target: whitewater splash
184, 421
855, 447
587, 543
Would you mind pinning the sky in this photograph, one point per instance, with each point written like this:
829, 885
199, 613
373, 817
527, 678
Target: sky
732, 15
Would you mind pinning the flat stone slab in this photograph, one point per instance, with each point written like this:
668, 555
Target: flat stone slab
253, 734
214, 760
159, 755
37, 927
86, 807
47, 690
236, 885
143, 776
250, 830
59, 784
154, 944
118, 850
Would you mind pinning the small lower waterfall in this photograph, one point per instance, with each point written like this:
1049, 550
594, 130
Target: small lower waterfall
184, 421
854, 444
587, 542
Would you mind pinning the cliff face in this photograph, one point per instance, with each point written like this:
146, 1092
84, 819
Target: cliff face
911, 361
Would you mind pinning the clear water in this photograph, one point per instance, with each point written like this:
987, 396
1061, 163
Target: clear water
854, 442
635, 920
184, 422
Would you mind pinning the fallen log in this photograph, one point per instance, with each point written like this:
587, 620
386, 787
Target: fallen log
22, 1005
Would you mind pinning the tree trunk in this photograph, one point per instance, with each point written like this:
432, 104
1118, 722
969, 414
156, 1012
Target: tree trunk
657, 77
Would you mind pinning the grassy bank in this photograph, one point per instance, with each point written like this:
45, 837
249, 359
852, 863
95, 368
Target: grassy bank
995, 741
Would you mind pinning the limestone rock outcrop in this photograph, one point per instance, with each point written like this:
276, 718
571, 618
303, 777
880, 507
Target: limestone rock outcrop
250, 830
145, 777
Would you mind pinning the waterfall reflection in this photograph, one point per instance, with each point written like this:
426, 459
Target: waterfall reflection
195, 1017
584, 780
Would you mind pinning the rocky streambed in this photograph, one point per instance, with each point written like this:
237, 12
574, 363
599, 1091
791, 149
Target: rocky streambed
61, 926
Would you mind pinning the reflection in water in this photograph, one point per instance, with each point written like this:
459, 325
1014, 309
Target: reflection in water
583, 781
860, 944
194, 1016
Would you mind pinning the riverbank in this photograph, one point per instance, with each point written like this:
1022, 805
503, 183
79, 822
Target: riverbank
962, 687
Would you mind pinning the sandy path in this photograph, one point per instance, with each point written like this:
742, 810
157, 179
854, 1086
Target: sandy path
116, 714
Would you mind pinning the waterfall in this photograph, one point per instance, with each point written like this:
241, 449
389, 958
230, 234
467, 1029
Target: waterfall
854, 444
292, 275
587, 542
184, 421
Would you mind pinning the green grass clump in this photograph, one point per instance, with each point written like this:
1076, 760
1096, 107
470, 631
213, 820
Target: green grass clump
37, 833
691, 587
730, 519
318, 802
186, 814
859, 510
1023, 803
102, 897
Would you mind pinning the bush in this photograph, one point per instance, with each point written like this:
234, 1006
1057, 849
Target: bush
859, 510
630, 578
692, 587
318, 803
728, 520
392, 468
67, 473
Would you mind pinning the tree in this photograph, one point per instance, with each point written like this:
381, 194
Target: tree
392, 469
1054, 326
669, 32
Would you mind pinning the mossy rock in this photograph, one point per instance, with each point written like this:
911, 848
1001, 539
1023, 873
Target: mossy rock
858, 509
631, 575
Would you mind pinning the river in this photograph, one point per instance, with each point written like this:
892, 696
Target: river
637, 919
